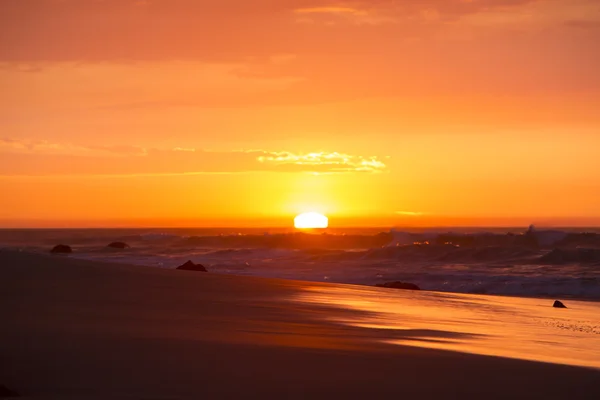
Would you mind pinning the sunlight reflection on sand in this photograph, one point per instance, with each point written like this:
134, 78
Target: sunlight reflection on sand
500, 326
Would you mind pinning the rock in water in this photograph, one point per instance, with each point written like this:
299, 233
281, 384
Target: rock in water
190, 266
558, 304
399, 285
118, 245
6, 392
61, 249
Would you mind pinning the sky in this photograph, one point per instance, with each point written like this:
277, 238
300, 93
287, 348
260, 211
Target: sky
246, 113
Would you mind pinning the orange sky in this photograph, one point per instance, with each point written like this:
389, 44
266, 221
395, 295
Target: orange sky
238, 112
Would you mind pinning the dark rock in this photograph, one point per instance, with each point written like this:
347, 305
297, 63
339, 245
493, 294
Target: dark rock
6, 392
399, 285
61, 249
190, 266
118, 245
558, 304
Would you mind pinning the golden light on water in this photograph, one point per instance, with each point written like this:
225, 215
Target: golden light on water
500, 326
311, 220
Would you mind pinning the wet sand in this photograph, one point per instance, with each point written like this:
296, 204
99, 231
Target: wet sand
74, 329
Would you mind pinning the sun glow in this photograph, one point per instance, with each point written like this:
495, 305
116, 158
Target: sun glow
311, 220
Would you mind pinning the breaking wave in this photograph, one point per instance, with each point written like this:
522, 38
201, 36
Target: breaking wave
534, 262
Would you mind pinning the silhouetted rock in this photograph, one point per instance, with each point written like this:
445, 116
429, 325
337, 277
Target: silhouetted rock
6, 392
190, 266
399, 285
118, 245
61, 249
558, 304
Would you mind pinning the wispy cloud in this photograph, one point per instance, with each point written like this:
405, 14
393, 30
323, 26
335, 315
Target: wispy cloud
44, 147
28, 157
410, 213
361, 14
336, 162
136, 29
330, 10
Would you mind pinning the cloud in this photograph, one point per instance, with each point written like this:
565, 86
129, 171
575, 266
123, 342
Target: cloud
330, 10
165, 56
359, 14
41, 158
410, 213
146, 85
207, 30
379, 11
43, 147
333, 162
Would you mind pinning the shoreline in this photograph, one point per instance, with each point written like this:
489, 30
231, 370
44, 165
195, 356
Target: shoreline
82, 329
524, 296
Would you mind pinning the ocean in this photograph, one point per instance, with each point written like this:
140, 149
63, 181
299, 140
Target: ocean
560, 262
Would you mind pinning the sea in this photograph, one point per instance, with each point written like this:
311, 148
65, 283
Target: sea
520, 261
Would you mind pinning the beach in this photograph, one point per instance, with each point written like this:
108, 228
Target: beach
80, 329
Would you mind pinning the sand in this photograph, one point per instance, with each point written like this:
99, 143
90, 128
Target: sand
75, 329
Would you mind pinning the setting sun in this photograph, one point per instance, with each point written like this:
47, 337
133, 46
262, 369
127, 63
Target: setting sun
311, 220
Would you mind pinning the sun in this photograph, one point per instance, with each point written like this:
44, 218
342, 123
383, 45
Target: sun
311, 220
